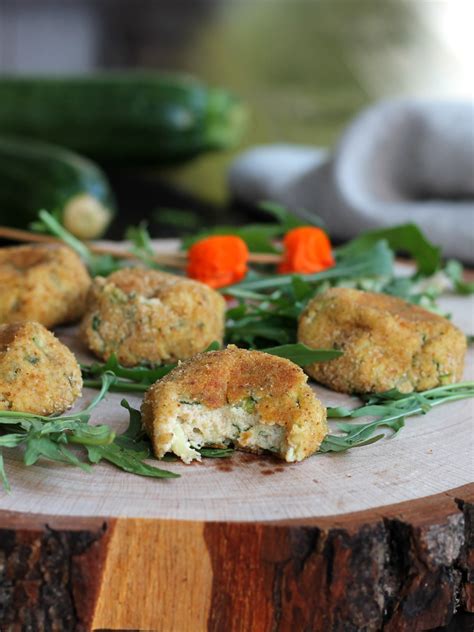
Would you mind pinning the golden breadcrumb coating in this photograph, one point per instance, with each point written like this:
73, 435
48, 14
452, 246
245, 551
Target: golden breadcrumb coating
387, 343
249, 399
146, 316
38, 374
47, 283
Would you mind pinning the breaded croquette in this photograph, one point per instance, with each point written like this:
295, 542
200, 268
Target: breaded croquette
146, 316
248, 399
387, 343
38, 374
47, 283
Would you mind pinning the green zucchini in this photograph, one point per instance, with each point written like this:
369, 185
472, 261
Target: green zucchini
36, 175
124, 118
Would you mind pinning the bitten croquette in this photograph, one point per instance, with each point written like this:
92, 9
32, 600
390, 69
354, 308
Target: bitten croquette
387, 343
46, 283
248, 399
146, 316
38, 374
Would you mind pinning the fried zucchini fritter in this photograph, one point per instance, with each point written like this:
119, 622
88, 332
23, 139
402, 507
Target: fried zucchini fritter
38, 374
46, 283
249, 399
387, 343
145, 316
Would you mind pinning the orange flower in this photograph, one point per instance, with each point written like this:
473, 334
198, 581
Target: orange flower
307, 250
218, 261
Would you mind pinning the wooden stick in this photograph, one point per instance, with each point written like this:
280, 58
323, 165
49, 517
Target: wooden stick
175, 259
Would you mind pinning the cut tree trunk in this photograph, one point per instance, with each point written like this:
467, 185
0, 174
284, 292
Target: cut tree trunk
408, 567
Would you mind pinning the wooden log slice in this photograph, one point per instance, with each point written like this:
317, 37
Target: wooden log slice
378, 538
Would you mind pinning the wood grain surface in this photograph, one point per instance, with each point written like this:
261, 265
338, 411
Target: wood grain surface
432, 454
404, 567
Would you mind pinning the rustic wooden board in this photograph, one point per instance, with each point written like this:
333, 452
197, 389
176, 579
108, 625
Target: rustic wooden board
249, 543
431, 455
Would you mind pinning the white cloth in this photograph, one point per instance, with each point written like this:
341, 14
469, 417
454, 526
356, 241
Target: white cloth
398, 161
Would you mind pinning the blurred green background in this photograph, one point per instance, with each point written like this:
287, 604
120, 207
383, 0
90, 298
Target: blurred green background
304, 67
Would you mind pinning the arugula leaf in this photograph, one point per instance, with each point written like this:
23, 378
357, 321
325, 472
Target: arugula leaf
286, 220
390, 409
141, 374
337, 443
272, 316
140, 378
258, 237
130, 448
142, 246
375, 261
98, 264
182, 220
406, 238
134, 438
11, 440
216, 453
3, 475
126, 460
120, 386
126, 379
454, 270
91, 435
256, 330
51, 225
38, 446
303, 355
48, 437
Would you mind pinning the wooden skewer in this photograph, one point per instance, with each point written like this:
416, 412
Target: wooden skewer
175, 259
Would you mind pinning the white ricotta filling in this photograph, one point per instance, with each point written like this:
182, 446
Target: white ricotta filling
196, 426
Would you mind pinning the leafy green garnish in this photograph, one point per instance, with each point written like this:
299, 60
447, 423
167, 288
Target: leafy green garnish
270, 306
454, 270
406, 238
140, 378
216, 453
303, 355
258, 237
129, 379
97, 264
374, 262
142, 247
139, 374
390, 410
48, 437
182, 220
